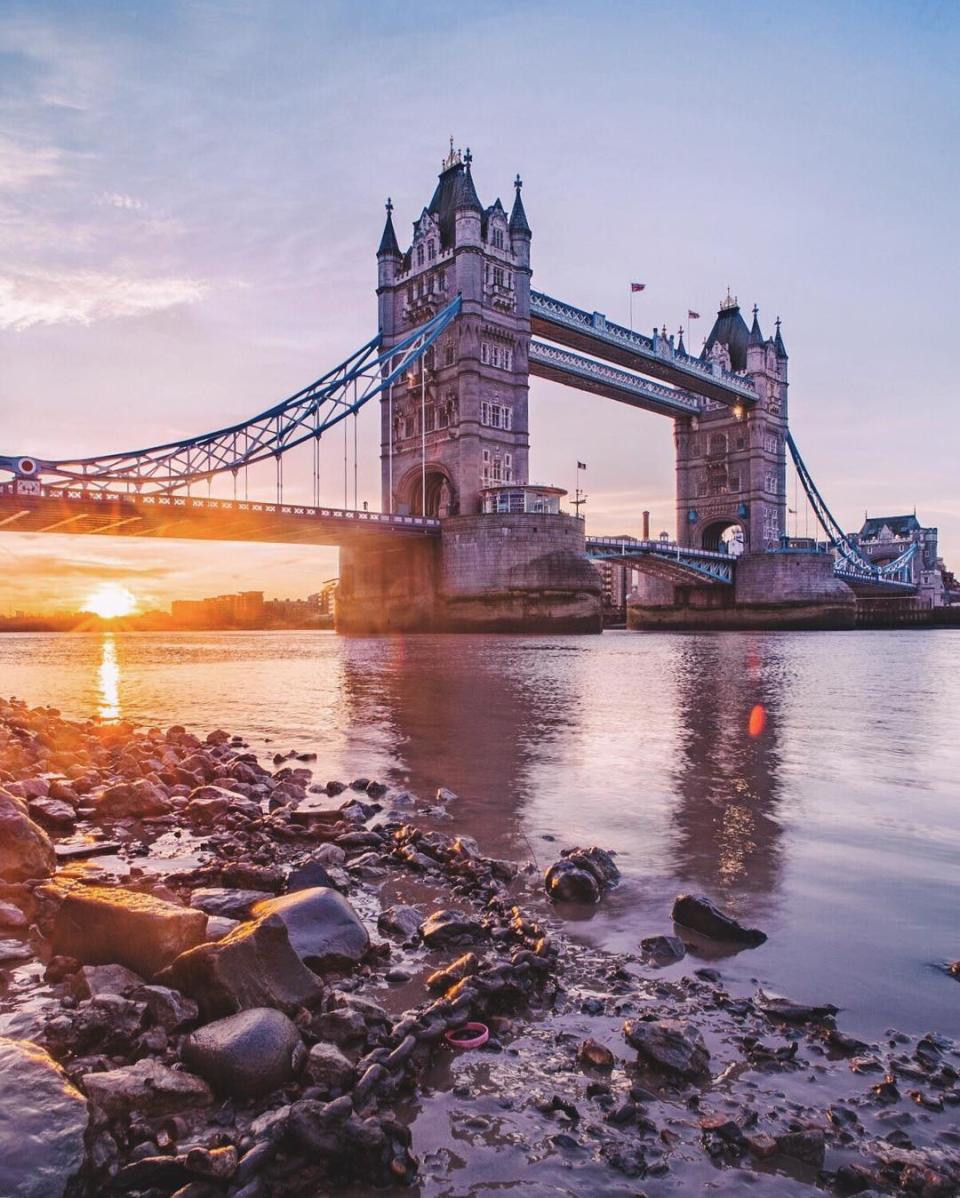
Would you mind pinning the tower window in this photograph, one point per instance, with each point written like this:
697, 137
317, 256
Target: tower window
431, 249
496, 415
492, 354
498, 276
420, 254
498, 239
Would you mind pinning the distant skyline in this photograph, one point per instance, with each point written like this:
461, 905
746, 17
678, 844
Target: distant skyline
191, 196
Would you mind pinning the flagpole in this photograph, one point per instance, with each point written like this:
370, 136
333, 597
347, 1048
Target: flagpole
631, 307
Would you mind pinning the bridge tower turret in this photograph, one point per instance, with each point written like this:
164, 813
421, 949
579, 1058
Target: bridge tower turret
731, 462
458, 422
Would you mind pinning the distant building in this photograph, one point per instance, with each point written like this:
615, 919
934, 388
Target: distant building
884, 539
617, 581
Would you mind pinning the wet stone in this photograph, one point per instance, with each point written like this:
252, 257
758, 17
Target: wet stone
581, 875
595, 1055
450, 927
324, 930
456, 971
700, 914
227, 902
25, 849
94, 980
400, 921
140, 799
254, 966
146, 1088
248, 1054
663, 950
328, 1067
101, 926
43, 1119
309, 876
669, 1045
12, 917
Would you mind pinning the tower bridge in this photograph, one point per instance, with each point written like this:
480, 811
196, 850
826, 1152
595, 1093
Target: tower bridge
463, 540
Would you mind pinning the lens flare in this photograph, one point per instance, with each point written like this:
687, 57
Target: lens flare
758, 719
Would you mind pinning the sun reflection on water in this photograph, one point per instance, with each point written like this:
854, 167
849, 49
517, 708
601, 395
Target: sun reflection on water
108, 677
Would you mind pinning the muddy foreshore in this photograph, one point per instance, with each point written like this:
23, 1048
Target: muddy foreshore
222, 980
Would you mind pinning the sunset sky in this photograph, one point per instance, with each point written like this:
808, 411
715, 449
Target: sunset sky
191, 196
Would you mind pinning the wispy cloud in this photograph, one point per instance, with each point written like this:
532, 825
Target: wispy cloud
48, 297
117, 199
22, 165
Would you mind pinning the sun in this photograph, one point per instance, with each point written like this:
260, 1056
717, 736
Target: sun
110, 600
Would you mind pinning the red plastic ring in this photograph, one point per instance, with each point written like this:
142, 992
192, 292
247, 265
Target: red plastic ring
459, 1037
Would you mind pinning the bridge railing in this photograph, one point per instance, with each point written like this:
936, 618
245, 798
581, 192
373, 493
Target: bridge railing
197, 503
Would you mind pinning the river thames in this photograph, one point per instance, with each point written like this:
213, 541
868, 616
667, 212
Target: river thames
831, 821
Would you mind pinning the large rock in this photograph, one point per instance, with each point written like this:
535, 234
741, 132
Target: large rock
25, 849
255, 966
325, 931
247, 1055
42, 1123
670, 1045
140, 799
581, 876
208, 804
700, 914
102, 926
146, 1088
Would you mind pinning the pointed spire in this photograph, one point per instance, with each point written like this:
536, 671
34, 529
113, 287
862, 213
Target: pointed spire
681, 348
466, 193
388, 242
778, 343
518, 218
756, 337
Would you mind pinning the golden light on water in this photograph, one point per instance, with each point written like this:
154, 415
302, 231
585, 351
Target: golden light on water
108, 677
109, 600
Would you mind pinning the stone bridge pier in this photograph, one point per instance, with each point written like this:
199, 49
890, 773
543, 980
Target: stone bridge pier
520, 572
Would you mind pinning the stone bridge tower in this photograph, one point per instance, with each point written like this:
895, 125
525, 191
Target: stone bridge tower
731, 463
459, 422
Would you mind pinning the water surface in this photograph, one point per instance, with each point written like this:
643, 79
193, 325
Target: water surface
835, 829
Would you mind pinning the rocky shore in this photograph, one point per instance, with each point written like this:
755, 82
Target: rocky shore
226, 979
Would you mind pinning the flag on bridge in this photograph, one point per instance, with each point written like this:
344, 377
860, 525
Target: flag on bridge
637, 286
691, 315
581, 465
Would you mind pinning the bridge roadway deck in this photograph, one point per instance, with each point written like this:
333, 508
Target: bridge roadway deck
196, 519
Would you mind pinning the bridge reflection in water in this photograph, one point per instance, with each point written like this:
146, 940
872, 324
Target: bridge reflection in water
537, 741
727, 781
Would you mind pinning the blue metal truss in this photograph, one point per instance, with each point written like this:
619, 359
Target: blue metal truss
306, 416
851, 563
701, 564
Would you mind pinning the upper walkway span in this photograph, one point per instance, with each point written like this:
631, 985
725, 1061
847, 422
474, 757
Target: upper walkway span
592, 333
